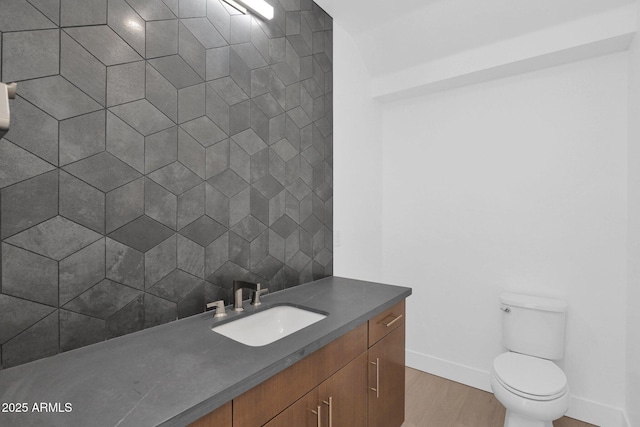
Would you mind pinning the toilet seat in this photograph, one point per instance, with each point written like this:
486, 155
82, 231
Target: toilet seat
530, 377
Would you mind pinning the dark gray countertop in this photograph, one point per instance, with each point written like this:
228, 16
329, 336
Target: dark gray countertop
173, 374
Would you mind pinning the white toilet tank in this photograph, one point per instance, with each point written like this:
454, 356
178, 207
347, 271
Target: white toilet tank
533, 325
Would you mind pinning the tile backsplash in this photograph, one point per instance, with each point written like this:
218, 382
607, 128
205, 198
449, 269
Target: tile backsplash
158, 150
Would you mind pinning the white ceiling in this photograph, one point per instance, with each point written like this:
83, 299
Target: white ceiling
396, 34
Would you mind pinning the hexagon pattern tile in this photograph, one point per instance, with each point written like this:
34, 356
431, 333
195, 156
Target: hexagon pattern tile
159, 150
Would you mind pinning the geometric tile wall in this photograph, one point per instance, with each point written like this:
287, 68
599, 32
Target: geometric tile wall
158, 150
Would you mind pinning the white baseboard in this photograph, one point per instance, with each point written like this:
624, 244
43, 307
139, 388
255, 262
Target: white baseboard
579, 408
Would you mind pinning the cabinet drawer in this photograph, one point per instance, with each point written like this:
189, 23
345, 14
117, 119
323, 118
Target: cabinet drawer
386, 322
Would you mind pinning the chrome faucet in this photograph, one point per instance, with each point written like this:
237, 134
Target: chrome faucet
239, 285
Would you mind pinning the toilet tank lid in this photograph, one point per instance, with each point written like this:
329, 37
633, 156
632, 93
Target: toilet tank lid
536, 303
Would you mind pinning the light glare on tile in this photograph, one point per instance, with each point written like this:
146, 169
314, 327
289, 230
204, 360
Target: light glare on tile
260, 7
134, 25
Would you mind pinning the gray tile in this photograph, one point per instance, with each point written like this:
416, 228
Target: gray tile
292, 23
290, 5
217, 63
277, 207
56, 238
103, 171
82, 69
239, 251
217, 159
50, 8
249, 141
284, 226
127, 320
299, 189
173, 5
260, 40
160, 261
143, 117
190, 257
124, 264
260, 81
192, 51
191, 153
127, 24
215, 293
174, 69
229, 90
78, 330
193, 8
81, 203
57, 97
191, 103
216, 205
151, 10
259, 165
161, 93
268, 186
285, 73
175, 286
259, 122
176, 178
19, 15
239, 71
285, 150
216, 254
17, 314
125, 83
102, 42
277, 50
249, 228
269, 105
160, 204
203, 231
239, 161
191, 205
81, 137
193, 302
268, 267
161, 149
162, 38
250, 55
276, 246
17, 164
239, 29
124, 204
228, 183
239, 117
142, 234
158, 311
225, 275
299, 261
239, 206
300, 118
30, 54
204, 32
83, 12
219, 17
124, 142
103, 300
40, 340
29, 276
277, 128
312, 225
277, 168
80, 271
33, 130
28, 203
204, 131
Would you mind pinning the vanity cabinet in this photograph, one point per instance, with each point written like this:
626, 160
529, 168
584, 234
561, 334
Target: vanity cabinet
387, 368
221, 417
355, 381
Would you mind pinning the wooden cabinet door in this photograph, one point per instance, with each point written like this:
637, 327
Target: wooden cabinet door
306, 412
221, 417
386, 380
343, 396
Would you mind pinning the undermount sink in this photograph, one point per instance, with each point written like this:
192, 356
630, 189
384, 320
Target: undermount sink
270, 325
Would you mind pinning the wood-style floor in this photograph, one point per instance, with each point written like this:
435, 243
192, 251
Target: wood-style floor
432, 401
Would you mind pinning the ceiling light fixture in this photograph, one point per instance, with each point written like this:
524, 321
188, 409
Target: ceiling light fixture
260, 7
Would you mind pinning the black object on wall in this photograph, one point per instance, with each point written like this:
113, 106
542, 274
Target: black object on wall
159, 149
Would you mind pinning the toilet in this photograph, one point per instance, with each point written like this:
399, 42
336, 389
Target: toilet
529, 385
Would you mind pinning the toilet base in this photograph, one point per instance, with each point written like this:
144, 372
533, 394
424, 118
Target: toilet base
512, 419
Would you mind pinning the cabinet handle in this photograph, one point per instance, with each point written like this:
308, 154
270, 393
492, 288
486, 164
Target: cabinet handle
317, 414
377, 387
330, 405
387, 324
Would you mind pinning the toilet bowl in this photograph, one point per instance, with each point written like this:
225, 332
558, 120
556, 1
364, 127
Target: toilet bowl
534, 391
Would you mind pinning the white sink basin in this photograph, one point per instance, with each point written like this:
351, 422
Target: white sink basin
268, 326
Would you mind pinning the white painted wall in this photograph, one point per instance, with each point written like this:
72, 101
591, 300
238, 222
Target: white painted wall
357, 165
517, 184
633, 296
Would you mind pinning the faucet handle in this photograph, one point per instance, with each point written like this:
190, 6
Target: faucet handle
219, 306
256, 296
